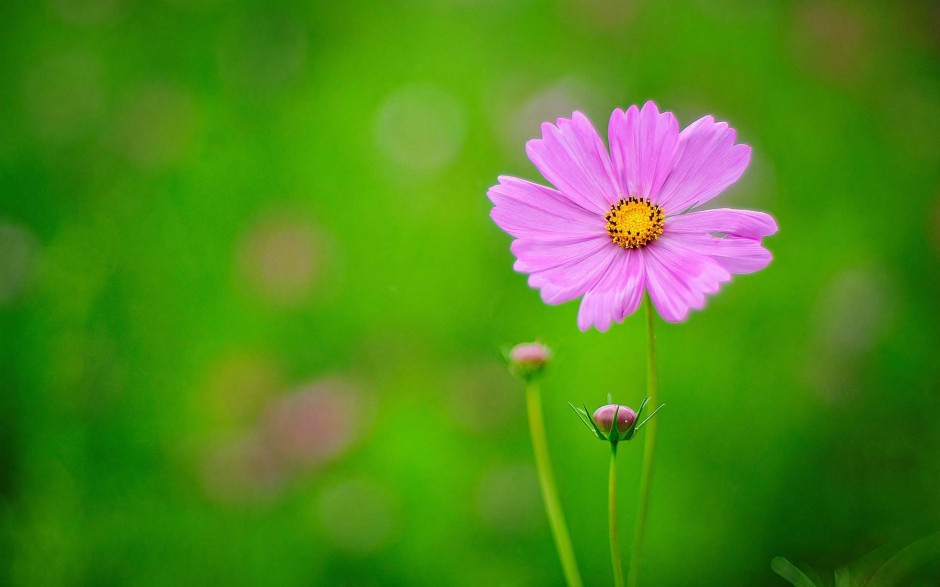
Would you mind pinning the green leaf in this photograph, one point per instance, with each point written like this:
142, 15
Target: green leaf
912, 556
791, 572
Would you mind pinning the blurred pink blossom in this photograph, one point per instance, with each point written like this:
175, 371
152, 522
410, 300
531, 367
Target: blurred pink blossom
313, 424
296, 433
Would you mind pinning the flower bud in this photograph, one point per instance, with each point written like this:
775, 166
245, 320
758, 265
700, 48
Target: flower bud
604, 418
529, 359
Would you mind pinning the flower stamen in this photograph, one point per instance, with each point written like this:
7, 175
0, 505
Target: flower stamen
634, 222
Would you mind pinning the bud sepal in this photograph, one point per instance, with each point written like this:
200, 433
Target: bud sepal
614, 434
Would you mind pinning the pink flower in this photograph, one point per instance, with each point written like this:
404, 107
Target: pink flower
623, 223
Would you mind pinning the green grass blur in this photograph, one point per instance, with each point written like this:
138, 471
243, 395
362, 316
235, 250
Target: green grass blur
233, 232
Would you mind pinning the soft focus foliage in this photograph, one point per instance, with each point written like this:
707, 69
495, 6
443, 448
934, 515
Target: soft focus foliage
222, 221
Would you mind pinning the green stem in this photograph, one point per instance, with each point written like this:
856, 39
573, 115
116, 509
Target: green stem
649, 450
612, 508
547, 481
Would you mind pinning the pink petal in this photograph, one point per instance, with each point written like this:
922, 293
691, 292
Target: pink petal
643, 146
575, 277
615, 296
574, 159
528, 210
679, 278
740, 251
708, 161
541, 255
745, 223
735, 254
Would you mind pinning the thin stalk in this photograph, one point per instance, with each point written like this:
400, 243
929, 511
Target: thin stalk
649, 450
556, 518
612, 508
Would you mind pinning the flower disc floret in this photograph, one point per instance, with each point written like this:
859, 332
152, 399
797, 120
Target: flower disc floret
634, 222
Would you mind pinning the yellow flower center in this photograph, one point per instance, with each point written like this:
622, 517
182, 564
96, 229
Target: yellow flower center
634, 222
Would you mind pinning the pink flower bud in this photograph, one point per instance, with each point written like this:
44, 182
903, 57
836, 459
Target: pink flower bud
528, 359
604, 418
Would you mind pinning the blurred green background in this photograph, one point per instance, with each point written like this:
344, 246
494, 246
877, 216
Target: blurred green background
251, 301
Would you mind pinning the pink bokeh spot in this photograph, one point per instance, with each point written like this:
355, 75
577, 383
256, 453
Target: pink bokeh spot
562, 240
314, 424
